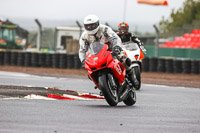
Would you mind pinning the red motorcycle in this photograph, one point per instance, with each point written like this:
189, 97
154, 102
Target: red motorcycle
109, 75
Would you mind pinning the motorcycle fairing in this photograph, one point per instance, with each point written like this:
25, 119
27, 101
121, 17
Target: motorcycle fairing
133, 51
96, 64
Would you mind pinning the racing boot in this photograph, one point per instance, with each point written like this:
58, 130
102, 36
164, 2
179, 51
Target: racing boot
132, 77
130, 71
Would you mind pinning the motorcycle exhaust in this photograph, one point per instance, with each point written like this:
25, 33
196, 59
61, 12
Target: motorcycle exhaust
121, 87
123, 91
124, 95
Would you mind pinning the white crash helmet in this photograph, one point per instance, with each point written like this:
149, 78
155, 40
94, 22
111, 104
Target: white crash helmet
91, 24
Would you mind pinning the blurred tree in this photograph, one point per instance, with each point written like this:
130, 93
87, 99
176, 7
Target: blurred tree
178, 19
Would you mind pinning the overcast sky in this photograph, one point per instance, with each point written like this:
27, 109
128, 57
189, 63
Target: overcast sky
61, 12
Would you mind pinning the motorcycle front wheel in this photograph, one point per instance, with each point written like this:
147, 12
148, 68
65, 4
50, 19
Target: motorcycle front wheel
109, 94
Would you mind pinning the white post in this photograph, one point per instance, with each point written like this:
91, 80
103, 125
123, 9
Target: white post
38, 34
38, 39
125, 6
157, 40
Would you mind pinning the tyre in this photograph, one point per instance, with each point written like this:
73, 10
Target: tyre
153, 63
161, 65
109, 94
145, 64
131, 99
138, 76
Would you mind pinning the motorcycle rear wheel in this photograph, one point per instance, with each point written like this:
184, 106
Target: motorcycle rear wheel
109, 94
131, 99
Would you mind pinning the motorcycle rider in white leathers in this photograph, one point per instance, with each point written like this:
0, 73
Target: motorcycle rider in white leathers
94, 31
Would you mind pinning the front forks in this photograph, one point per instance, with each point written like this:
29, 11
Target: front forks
123, 89
112, 82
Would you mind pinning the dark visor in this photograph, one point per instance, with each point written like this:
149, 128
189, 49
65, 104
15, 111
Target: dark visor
91, 27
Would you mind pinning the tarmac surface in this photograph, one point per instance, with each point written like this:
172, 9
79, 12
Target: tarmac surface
159, 108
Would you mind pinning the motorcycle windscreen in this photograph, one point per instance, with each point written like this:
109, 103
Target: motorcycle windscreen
95, 48
131, 46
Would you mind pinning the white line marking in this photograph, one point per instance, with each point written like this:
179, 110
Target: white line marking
33, 96
76, 97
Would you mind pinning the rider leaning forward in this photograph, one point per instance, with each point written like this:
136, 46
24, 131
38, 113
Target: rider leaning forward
94, 31
127, 36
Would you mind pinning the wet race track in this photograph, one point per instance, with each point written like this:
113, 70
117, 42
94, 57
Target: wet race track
159, 109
